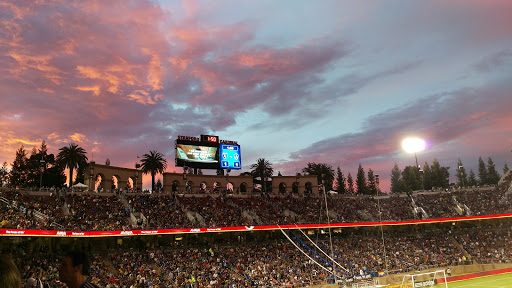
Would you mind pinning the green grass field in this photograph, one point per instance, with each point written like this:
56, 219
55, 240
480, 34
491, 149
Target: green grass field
497, 281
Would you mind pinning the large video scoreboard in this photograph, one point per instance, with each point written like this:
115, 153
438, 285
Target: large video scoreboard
207, 152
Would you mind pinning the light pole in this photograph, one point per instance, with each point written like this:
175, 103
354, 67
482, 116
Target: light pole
380, 220
414, 145
462, 176
328, 222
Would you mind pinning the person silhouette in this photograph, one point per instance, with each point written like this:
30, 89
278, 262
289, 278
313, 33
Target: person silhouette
10, 276
74, 269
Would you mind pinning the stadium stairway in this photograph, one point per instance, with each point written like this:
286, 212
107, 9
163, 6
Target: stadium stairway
457, 244
365, 215
132, 218
252, 217
195, 217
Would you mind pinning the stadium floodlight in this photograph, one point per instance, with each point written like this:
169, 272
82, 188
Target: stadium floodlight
413, 145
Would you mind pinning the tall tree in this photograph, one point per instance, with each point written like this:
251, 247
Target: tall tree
340, 182
462, 177
505, 169
18, 173
350, 184
4, 174
482, 172
440, 175
372, 185
426, 177
411, 178
361, 181
493, 177
472, 181
396, 177
53, 174
72, 157
445, 176
33, 169
153, 163
323, 172
42, 168
264, 170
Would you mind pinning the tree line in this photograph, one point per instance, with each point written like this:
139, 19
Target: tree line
411, 178
328, 179
436, 176
44, 169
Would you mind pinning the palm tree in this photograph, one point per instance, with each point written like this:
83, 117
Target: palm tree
262, 169
323, 172
153, 163
71, 156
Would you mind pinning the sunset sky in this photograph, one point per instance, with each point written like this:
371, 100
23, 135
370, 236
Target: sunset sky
336, 82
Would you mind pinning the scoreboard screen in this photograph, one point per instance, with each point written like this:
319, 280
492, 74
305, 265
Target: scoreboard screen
230, 156
196, 153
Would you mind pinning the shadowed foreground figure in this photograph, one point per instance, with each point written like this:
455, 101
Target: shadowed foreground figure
74, 269
10, 276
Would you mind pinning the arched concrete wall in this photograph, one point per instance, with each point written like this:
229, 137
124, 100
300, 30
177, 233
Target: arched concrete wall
169, 178
107, 172
289, 180
196, 180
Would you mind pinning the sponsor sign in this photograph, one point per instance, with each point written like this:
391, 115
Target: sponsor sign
406, 285
15, 232
425, 283
22, 232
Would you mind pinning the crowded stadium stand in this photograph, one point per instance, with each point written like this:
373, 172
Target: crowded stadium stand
291, 255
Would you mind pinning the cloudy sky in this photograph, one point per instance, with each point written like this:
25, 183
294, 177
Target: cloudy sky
336, 82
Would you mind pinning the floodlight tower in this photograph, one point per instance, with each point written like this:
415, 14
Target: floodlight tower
415, 145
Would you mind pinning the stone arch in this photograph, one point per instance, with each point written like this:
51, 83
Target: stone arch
130, 183
308, 188
175, 186
189, 186
230, 187
243, 188
217, 186
295, 188
203, 187
116, 182
100, 182
282, 188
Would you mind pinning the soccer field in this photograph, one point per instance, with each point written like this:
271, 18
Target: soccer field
497, 281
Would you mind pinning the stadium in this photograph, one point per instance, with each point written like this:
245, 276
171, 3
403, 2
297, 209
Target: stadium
192, 235
357, 147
